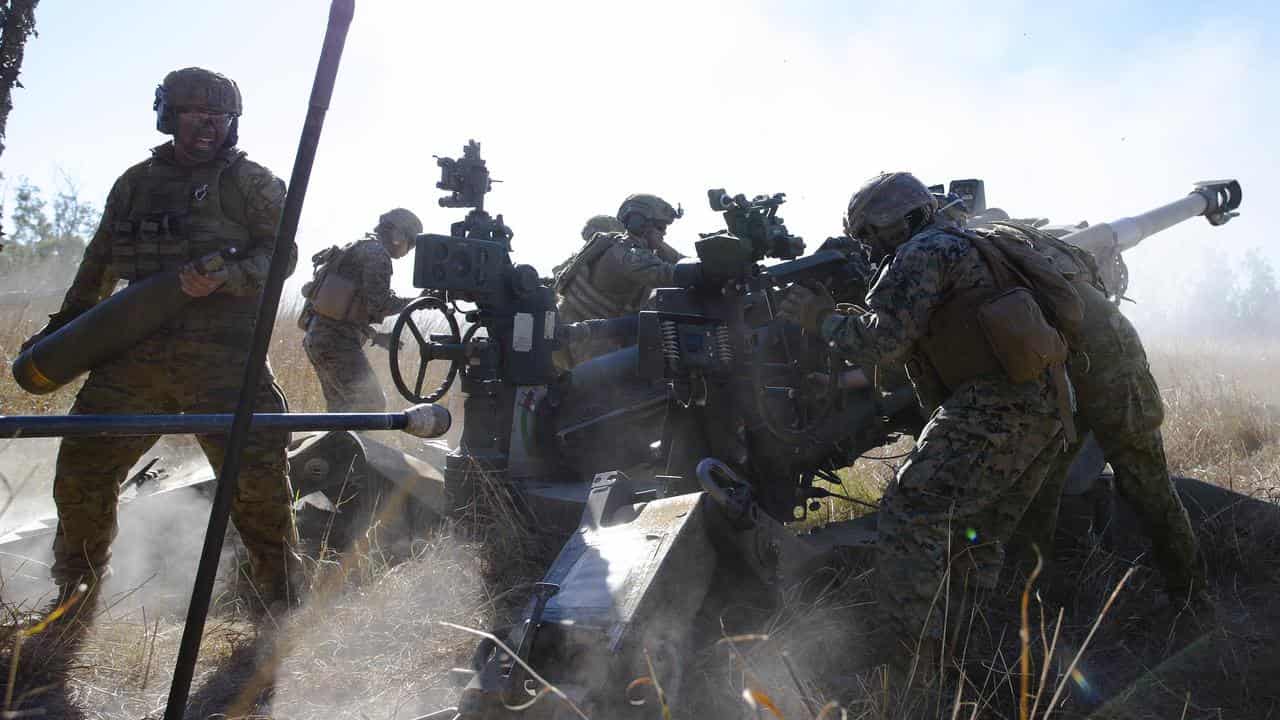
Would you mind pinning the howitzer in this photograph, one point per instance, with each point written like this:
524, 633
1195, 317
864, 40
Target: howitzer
674, 462
1216, 200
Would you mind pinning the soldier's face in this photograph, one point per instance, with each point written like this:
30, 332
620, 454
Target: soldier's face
200, 134
655, 232
401, 244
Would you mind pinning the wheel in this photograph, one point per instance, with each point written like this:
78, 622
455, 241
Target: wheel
426, 348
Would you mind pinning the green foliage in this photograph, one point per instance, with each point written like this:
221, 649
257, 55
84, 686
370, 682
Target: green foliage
38, 242
31, 223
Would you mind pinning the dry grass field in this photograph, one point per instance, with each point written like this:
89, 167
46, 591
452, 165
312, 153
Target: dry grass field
370, 643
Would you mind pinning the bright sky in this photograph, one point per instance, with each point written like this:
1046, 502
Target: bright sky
1091, 111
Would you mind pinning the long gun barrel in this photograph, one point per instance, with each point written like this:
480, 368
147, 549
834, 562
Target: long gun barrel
1216, 200
424, 421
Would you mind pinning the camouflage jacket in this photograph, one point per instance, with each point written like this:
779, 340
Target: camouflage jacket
917, 281
259, 197
367, 263
612, 275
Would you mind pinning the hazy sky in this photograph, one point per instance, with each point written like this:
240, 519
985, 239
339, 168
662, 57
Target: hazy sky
1094, 111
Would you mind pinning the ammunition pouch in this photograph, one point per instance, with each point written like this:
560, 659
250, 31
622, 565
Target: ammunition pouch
986, 332
176, 214
151, 244
989, 332
1023, 342
339, 298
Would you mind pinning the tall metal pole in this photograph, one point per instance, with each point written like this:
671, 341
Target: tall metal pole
340, 13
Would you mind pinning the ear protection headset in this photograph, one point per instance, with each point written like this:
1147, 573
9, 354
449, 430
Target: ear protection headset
167, 120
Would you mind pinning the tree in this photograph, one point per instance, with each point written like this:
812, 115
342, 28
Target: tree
18, 18
1259, 296
17, 23
30, 221
73, 220
45, 248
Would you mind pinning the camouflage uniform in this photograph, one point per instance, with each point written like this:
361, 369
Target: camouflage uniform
611, 276
978, 462
158, 216
336, 347
1118, 400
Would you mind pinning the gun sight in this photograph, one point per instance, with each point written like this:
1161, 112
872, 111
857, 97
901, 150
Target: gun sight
466, 179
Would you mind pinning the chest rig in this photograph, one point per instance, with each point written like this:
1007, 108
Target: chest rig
177, 214
581, 298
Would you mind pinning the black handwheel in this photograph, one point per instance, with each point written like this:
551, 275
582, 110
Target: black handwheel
405, 320
812, 409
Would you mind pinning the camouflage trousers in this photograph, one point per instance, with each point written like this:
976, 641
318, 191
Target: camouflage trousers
336, 351
1142, 479
173, 371
1118, 400
945, 522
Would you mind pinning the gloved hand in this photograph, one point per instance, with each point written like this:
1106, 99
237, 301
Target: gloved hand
204, 276
383, 340
842, 243
807, 306
56, 321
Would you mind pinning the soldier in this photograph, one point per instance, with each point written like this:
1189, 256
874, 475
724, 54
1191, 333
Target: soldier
614, 272
1117, 399
601, 224
196, 198
989, 440
351, 291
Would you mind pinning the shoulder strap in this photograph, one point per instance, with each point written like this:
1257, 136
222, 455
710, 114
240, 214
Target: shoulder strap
1087, 262
233, 204
1014, 262
595, 247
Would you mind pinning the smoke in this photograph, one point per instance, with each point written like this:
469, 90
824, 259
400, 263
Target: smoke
1090, 112
155, 554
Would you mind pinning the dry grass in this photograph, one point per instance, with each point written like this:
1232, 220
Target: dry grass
369, 642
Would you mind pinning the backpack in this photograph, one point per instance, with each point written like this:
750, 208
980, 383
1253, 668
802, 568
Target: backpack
1015, 262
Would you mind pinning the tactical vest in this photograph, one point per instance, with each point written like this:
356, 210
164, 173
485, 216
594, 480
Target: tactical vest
580, 299
1002, 330
177, 214
334, 291
968, 332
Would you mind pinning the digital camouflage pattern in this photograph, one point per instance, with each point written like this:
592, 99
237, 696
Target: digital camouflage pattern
1117, 398
885, 199
612, 276
336, 351
195, 363
980, 459
336, 348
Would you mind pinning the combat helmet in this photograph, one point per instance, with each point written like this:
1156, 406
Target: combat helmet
195, 87
401, 219
601, 224
398, 244
641, 209
889, 208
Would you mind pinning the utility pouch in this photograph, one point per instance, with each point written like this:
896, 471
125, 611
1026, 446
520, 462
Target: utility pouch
338, 298
1024, 343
